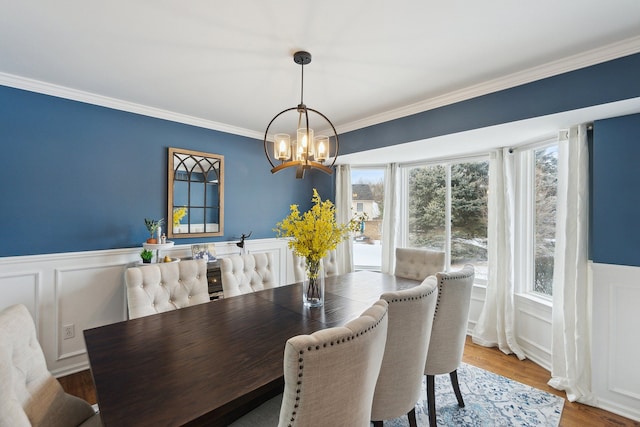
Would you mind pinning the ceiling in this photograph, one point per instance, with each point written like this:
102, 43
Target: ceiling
228, 65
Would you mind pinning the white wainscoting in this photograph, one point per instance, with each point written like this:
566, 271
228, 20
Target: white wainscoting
616, 338
533, 329
478, 294
86, 290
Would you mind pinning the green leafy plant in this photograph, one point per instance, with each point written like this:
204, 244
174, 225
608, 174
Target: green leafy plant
146, 255
152, 225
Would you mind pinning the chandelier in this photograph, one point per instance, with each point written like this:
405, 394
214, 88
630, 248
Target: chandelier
306, 151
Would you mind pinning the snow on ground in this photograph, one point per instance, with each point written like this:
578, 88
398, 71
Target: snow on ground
370, 255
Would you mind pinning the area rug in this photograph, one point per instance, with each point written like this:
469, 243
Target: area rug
490, 400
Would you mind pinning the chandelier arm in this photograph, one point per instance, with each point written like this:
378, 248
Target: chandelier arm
320, 166
285, 165
335, 157
309, 165
266, 132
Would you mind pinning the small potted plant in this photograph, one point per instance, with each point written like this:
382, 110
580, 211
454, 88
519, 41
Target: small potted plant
146, 256
152, 226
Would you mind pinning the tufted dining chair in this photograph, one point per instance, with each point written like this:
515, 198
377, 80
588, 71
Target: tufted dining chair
400, 381
242, 274
417, 263
329, 262
450, 323
29, 395
163, 287
329, 376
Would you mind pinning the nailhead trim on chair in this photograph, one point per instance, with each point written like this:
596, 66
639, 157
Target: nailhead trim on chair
414, 297
451, 276
318, 347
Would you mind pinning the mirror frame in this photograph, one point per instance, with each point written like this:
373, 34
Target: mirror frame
170, 192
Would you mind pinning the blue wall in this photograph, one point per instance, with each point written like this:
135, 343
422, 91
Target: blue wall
616, 191
78, 177
607, 82
615, 182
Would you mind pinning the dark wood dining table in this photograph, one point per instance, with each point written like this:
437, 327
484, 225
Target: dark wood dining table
210, 363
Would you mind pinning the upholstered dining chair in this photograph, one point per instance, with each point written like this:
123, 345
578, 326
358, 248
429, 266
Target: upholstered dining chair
242, 274
156, 288
448, 332
29, 394
417, 263
330, 375
400, 381
329, 262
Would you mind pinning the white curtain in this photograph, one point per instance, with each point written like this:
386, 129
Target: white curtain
496, 323
344, 251
391, 218
571, 336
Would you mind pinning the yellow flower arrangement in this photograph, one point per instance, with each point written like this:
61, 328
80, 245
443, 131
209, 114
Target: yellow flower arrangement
315, 232
178, 214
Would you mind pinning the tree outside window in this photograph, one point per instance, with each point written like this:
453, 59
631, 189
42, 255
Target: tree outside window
546, 193
429, 208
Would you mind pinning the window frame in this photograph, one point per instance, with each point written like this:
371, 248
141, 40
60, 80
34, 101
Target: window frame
447, 163
382, 169
525, 219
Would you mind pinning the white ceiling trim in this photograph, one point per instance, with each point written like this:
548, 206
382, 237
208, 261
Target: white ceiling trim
118, 104
571, 63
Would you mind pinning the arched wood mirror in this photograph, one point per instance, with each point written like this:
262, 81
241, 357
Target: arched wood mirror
195, 194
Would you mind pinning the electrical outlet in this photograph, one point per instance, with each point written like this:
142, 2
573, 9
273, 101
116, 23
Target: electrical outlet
68, 331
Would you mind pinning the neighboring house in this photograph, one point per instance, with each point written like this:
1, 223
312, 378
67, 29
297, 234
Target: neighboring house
362, 202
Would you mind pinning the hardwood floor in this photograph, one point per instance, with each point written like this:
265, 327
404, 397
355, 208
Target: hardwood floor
527, 372
491, 359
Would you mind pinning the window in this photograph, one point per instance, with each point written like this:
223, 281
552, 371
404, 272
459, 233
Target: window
447, 210
545, 193
367, 186
537, 177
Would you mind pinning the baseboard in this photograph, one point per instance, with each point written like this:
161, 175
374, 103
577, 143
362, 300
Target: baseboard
625, 411
69, 370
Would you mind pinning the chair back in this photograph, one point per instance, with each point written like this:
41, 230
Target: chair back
450, 321
156, 288
400, 381
418, 264
329, 263
331, 374
242, 274
29, 394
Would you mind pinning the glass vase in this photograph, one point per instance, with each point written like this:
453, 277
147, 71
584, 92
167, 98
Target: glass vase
313, 284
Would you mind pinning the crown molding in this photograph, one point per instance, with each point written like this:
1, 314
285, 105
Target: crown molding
37, 86
571, 63
606, 53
